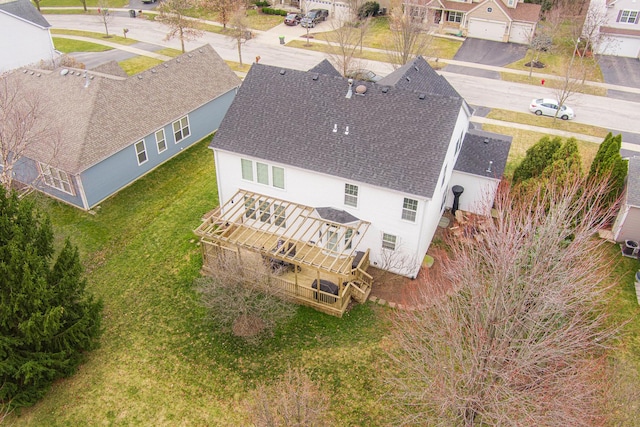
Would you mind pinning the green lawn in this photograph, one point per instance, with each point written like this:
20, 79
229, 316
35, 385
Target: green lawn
161, 361
68, 46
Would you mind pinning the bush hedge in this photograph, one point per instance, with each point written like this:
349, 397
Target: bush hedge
271, 11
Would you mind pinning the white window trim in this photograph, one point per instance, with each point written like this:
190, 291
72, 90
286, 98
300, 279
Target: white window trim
164, 139
388, 242
144, 150
454, 13
188, 127
349, 196
404, 209
628, 17
269, 168
50, 175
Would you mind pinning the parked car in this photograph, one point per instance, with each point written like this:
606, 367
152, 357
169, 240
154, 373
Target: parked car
549, 107
365, 75
293, 19
313, 17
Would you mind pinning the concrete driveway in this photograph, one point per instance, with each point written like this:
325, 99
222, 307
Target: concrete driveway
621, 71
486, 52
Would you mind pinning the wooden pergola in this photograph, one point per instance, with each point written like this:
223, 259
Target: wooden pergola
313, 253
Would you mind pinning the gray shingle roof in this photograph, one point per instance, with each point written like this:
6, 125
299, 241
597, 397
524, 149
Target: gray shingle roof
114, 112
325, 67
336, 215
633, 182
418, 76
25, 10
395, 139
483, 153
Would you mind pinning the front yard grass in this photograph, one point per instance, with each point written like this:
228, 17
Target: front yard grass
69, 45
98, 36
161, 361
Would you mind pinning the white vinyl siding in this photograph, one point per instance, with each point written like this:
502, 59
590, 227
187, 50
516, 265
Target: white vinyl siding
161, 141
181, 129
141, 152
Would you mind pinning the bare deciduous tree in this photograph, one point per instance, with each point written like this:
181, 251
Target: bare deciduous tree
104, 16
23, 123
343, 43
173, 13
241, 298
241, 31
225, 9
294, 401
409, 36
520, 329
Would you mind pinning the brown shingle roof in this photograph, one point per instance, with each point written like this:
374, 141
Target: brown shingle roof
111, 113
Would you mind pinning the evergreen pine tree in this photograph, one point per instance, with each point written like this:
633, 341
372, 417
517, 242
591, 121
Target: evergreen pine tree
538, 157
609, 164
47, 319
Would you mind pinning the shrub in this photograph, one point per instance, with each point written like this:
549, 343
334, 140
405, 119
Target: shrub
271, 11
370, 8
262, 4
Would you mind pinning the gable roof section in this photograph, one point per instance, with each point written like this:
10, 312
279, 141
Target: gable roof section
418, 76
456, 6
392, 140
325, 67
523, 12
633, 182
24, 10
112, 113
484, 154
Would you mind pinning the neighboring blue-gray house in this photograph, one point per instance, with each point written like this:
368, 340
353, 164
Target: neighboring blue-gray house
115, 128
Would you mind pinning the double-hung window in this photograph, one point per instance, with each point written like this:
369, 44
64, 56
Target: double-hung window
454, 17
351, 195
389, 241
181, 129
409, 209
141, 152
161, 141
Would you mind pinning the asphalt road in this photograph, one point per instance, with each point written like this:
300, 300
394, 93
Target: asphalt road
615, 114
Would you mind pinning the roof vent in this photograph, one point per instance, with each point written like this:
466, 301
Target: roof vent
346, 130
361, 89
178, 60
349, 92
190, 55
32, 72
335, 128
282, 71
486, 140
421, 96
25, 71
153, 70
415, 67
385, 89
489, 168
166, 65
315, 77
140, 76
408, 79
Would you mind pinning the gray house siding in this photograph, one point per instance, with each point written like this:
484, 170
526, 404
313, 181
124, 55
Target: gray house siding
110, 175
27, 172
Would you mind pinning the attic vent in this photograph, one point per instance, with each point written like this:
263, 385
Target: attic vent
32, 73
415, 67
139, 76
38, 75
63, 72
486, 140
166, 65
200, 50
178, 60
190, 55
282, 71
408, 79
385, 89
25, 71
154, 71
421, 96
316, 77
361, 89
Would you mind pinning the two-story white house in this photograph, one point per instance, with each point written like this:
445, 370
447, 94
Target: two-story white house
24, 35
617, 25
334, 171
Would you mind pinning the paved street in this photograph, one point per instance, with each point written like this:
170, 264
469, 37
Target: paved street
615, 114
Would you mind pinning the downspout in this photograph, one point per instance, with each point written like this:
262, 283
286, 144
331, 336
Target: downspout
83, 196
221, 199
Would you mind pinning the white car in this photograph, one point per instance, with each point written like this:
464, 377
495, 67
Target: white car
549, 107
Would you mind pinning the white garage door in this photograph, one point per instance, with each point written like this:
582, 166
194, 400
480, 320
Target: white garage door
488, 30
622, 46
520, 33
